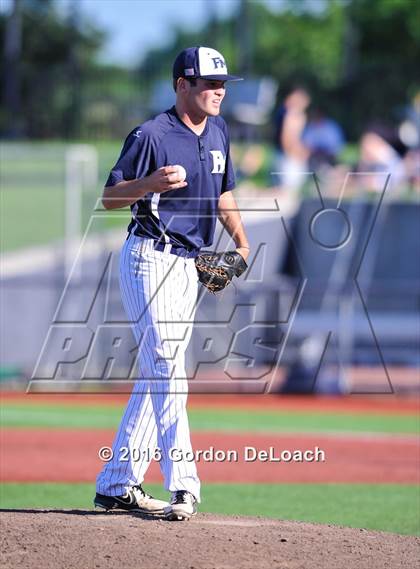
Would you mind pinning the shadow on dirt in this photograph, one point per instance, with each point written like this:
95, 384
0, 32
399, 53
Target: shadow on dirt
137, 515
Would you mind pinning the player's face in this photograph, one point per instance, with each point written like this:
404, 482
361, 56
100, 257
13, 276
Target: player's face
205, 97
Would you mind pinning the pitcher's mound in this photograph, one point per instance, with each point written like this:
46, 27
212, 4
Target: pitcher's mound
78, 539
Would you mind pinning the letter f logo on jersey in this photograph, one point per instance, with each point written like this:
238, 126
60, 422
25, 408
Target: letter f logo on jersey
218, 162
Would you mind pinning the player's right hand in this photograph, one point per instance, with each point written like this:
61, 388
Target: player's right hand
165, 179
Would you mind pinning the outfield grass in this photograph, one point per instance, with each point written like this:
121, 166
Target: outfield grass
387, 507
32, 198
100, 417
32, 179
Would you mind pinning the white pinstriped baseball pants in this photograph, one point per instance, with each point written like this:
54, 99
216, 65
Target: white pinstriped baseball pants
159, 293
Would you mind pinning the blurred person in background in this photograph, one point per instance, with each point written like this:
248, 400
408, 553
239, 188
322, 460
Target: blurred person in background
291, 155
324, 138
409, 134
381, 153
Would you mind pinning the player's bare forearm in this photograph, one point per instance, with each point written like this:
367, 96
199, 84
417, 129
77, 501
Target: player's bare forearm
230, 218
123, 194
127, 192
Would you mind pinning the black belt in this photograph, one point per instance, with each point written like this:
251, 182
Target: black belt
176, 250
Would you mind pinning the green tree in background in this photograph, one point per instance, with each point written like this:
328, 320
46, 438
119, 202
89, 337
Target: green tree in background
48, 57
359, 58
382, 71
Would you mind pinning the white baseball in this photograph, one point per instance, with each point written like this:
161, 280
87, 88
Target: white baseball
182, 173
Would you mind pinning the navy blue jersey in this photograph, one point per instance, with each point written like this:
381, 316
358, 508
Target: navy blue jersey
185, 217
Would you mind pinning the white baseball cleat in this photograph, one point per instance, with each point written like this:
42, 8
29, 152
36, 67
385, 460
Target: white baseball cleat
182, 506
135, 500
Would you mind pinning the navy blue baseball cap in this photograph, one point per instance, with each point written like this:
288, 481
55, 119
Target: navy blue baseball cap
202, 63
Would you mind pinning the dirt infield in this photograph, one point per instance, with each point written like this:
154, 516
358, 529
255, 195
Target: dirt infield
71, 455
75, 539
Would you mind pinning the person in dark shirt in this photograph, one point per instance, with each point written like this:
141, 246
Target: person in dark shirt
324, 138
172, 219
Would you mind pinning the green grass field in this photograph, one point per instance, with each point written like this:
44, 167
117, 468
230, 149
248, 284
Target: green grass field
32, 181
32, 197
101, 417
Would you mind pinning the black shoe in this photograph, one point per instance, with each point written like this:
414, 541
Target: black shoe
182, 506
135, 500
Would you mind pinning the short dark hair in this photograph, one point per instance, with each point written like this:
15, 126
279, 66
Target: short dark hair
191, 80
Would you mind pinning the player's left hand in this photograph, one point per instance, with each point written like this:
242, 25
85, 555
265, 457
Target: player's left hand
216, 270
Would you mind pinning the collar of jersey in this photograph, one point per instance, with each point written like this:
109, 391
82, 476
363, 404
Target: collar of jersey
175, 114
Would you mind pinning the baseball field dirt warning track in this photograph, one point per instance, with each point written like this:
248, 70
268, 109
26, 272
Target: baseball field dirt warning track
75, 539
41, 455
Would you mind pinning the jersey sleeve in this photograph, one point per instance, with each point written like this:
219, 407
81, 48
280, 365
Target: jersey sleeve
229, 177
229, 181
137, 158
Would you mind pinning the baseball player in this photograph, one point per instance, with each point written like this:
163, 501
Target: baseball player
172, 219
